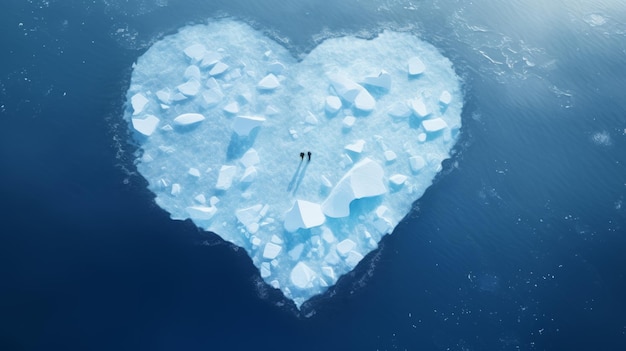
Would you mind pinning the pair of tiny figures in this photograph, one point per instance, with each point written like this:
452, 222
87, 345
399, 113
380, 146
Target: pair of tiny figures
308, 154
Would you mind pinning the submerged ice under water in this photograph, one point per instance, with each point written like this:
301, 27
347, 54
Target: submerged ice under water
222, 114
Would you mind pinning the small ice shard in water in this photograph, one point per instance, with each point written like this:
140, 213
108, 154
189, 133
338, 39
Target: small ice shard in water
434, 125
382, 80
190, 88
416, 66
304, 214
195, 52
243, 125
218, 69
232, 108
302, 276
269, 82
146, 126
333, 104
188, 119
445, 98
225, 177
138, 101
356, 147
201, 212
365, 179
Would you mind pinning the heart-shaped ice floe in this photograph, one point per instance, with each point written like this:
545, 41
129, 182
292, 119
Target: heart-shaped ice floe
223, 113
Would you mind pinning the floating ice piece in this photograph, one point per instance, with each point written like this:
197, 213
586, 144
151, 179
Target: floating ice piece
164, 96
192, 72
175, 189
333, 104
445, 98
365, 179
271, 251
269, 82
138, 101
364, 101
190, 88
311, 119
303, 214
345, 246
146, 126
390, 156
201, 212
302, 276
188, 119
243, 125
434, 125
397, 179
382, 80
232, 108
250, 158
250, 217
356, 147
419, 107
346, 88
219, 68
225, 177
417, 163
195, 52
348, 121
194, 172
416, 66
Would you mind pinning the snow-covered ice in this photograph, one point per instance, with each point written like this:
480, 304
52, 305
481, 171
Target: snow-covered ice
221, 114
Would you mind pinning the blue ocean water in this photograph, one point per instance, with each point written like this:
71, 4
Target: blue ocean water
519, 245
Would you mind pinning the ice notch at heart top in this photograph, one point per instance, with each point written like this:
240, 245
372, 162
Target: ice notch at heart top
222, 115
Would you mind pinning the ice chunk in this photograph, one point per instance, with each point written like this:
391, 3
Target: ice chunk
333, 104
210, 58
269, 82
232, 108
201, 212
146, 126
195, 52
445, 98
212, 97
345, 246
390, 156
249, 217
346, 88
365, 179
356, 147
348, 121
311, 119
397, 179
382, 80
434, 125
175, 189
192, 72
303, 214
271, 251
190, 88
302, 276
417, 163
219, 68
364, 101
194, 172
138, 101
419, 107
243, 125
188, 119
416, 66
225, 177
250, 158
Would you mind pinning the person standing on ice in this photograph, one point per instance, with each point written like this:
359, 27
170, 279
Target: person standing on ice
302, 156
309, 154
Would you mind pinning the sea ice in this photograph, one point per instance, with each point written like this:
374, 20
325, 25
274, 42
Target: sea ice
221, 114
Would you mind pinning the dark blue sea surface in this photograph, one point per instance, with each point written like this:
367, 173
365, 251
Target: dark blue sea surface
520, 244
